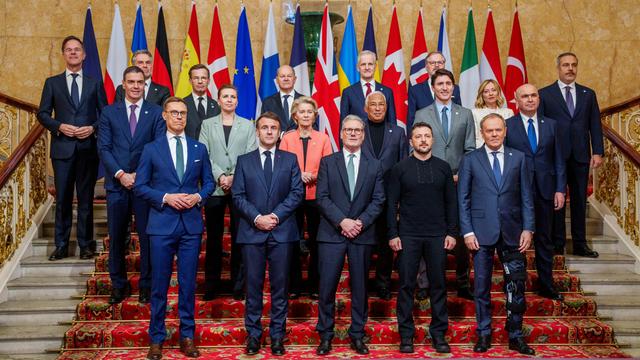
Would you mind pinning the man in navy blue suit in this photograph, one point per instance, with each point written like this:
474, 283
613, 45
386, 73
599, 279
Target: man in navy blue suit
497, 213
153, 92
538, 138
350, 196
125, 128
352, 101
280, 103
575, 108
77, 101
267, 189
421, 95
174, 177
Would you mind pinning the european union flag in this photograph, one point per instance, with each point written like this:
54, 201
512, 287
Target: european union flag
244, 77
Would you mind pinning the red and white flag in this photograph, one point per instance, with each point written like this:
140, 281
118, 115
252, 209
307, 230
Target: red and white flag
393, 73
116, 57
490, 67
326, 89
516, 65
217, 57
418, 72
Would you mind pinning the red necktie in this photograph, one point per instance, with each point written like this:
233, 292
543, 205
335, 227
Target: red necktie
368, 89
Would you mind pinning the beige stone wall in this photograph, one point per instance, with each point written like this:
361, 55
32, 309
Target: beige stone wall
603, 34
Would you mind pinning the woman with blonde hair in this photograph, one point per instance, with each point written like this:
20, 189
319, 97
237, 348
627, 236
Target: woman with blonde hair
489, 100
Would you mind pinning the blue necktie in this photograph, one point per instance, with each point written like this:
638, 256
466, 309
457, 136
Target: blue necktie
179, 158
285, 107
75, 92
531, 133
496, 168
569, 100
268, 168
445, 123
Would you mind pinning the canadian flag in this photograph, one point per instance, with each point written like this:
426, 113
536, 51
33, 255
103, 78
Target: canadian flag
116, 57
393, 73
516, 65
217, 57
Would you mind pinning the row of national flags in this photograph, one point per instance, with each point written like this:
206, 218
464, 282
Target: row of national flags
331, 76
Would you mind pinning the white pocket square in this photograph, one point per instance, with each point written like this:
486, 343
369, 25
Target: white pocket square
196, 160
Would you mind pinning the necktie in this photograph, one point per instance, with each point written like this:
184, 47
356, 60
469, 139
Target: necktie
268, 168
533, 140
569, 100
179, 158
201, 113
496, 168
351, 174
445, 123
368, 85
75, 92
285, 106
133, 120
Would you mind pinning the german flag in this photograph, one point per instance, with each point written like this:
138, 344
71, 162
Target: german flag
161, 61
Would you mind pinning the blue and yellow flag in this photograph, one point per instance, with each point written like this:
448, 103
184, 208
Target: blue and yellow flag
348, 64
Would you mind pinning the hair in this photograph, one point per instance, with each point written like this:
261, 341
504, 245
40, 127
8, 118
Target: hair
491, 116
172, 99
566, 53
268, 115
227, 86
480, 104
377, 92
131, 70
283, 66
435, 53
366, 52
69, 38
138, 52
300, 101
442, 72
420, 125
353, 117
198, 67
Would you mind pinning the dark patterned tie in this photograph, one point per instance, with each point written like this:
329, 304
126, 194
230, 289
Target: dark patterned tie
268, 168
201, 111
75, 91
285, 106
497, 173
445, 123
569, 100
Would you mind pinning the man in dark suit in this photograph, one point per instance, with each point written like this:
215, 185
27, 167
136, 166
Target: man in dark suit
174, 177
153, 93
384, 141
497, 213
200, 106
280, 102
267, 189
77, 101
125, 128
352, 101
538, 138
575, 108
350, 196
421, 95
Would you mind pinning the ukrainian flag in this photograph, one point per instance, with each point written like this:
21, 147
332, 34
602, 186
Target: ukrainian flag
348, 63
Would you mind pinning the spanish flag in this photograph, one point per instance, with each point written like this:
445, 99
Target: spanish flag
190, 55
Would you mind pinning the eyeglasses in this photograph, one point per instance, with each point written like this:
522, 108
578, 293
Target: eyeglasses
176, 114
435, 62
356, 131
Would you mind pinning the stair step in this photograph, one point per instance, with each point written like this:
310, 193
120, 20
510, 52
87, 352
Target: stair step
46, 287
605, 263
99, 228
618, 307
601, 243
37, 312
625, 283
41, 266
627, 331
46, 245
30, 338
30, 356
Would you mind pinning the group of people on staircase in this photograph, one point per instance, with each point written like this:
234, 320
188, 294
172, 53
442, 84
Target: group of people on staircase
459, 183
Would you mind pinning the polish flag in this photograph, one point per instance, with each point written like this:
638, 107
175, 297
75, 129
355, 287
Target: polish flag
393, 73
116, 57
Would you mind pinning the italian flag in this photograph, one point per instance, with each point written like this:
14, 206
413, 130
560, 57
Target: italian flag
470, 70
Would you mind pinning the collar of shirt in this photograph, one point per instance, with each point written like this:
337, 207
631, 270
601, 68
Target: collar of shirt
68, 73
563, 85
147, 86
170, 136
282, 94
440, 105
346, 153
196, 97
363, 84
128, 104
489, 151
263, 149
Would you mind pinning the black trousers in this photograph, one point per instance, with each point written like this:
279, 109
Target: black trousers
577, 180
543, 241
307, 210
431, 249
214, 211
384, 262
461, 254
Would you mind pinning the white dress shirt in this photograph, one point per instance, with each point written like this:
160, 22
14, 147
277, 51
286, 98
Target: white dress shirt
197, 101
147, 84
263, 157
572, 89
289, 99
137, 112
525, 121
172, 148
500, 156
69, 78
356, 161
363, 84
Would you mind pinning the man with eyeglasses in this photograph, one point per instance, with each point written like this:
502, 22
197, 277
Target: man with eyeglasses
280, 103
200, 106
153, 92
422, 95
350, 196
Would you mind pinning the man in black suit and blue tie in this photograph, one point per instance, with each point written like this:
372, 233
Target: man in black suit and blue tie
153, 93
575, 108
200, 106
77, 101
497, 214
125, 128
267, 189
280, 103
350, 196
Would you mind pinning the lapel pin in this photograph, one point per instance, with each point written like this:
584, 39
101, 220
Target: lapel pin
542, 121
146, 112
195, 145
510, 154
457, 113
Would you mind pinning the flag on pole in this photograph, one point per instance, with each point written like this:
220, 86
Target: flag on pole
347, 65
418, 72
469, 70
217, 57
91, 65
326, 89
161, 62
443, 40
490, 67
190, 55
393, 75
270, 63
516, 65
298, 60
139, 41
370, 41
116, 57
244, 76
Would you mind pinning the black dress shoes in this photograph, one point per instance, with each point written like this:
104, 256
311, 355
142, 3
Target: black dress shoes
483, 344
520, 346
384, 294
359, 346
119, 294
324, 348
253, 346
422, 294
145, 295
59, 253
586, 252
551, 294
406, 346
558, 250
277, 348
440, 344
465, 293
155, 352
209, 295
238, 295
86, 254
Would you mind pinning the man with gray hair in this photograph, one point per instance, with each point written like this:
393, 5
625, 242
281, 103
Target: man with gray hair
153, 93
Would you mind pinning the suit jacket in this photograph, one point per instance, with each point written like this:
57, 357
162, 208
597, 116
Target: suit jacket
352, 102
223, 157
156, 176
547, 165
156, 94
583, 130
462, 133
489, 209
333, 198
56, 98
251, 197
118, 150
394, 146
420, 97
274, 104
194, 122
319, 146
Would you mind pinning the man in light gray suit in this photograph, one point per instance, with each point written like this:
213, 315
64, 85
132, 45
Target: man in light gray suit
453, 136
